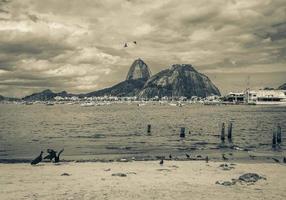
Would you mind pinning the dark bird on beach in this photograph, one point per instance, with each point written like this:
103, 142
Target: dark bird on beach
188, 156
170, 156
276, 160
52, 154
223, 157
284, 159
162, 162
57, 158
125, 45
134, 42
38, 159
207, 159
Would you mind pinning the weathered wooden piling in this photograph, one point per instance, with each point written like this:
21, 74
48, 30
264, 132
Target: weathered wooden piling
149, 128
274, 140
222, 134
182, 132
229, 131
279, 135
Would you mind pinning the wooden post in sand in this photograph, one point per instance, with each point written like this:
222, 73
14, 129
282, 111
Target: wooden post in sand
279, 136
274, 140
149, 128
229, 131
182, 132
222, 134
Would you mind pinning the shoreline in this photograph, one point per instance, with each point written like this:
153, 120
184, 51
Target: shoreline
140, 180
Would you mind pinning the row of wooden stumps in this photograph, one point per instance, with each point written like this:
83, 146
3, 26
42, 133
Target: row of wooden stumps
222, 137
277, 137
229, 132
182, 132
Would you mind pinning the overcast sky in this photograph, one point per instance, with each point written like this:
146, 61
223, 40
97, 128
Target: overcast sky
77, 45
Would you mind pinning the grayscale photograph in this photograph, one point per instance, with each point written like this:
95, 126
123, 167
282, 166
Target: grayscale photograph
142, 99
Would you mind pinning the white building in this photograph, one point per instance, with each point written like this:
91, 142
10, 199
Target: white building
265, 97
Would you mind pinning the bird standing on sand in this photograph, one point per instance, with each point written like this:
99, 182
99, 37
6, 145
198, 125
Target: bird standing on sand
223, 157
162, 162
52, 154
207, 159
188, 156
134, 42
170, 156
284, 159
38, 159
125, 45
57, 158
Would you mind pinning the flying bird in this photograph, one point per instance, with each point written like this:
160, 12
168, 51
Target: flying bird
38, 159
57, 158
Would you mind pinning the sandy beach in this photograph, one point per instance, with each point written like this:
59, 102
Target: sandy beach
143, 180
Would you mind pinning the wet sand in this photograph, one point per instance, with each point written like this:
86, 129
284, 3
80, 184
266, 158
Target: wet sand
143, 180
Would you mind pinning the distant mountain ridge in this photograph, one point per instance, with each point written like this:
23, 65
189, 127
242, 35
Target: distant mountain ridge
178, 80
45, 95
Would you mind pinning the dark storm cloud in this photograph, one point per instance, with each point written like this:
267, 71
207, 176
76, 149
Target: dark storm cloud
78, 45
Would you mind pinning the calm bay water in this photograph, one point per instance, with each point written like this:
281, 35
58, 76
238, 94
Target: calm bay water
119, 130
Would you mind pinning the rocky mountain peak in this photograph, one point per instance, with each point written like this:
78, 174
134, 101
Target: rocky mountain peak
138, 70
179, 80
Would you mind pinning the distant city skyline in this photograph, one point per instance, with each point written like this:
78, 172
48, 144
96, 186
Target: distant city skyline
79, 46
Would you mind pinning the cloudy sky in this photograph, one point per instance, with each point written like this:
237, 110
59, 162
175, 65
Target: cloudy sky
77, 45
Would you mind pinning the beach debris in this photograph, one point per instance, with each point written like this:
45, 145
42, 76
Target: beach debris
226, 167
224, 157
107, 170
161, 162
123, 160
167, 170
135, 42
57, 158
276, 160
119, 174
37, 159
65, 174
250, 178
225, 183
131, 173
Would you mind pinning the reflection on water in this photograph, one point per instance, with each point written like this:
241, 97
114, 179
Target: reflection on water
119, 130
